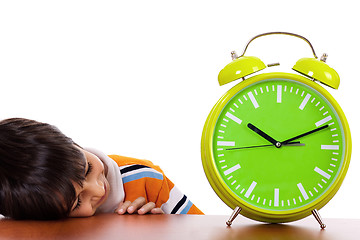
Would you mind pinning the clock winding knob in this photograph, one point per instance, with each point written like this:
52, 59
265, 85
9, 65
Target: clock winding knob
324, 57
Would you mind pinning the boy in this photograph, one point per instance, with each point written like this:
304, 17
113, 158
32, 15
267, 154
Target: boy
45, 175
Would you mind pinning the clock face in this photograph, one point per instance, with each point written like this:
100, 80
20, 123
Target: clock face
286, 177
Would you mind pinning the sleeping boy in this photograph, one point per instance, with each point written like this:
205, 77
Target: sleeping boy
45, 175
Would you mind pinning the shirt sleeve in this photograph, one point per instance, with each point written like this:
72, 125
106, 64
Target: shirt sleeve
148, 181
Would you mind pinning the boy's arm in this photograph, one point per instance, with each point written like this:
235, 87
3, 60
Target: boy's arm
141, 178
172, 201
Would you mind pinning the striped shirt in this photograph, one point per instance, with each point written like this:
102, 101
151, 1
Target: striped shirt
141, 178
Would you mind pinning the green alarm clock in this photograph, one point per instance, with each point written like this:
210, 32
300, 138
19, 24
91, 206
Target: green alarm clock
276, 147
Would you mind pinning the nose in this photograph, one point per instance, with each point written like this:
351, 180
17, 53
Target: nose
94, 188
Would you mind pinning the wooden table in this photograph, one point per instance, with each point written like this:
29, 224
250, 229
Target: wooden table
184, 227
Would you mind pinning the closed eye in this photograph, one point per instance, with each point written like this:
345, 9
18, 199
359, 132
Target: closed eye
77, 204
88, 171
90, 167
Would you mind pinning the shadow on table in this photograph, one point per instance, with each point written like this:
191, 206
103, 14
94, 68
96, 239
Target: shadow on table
270, 231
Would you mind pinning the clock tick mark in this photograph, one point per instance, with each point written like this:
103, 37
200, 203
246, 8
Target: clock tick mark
276, 197
251, 188
279, 94
322, 173
302, 191
233, 117
323, 121
253, 100
304, 102
232, 169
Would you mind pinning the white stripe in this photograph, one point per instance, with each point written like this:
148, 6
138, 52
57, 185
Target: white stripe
175, 196
226, 143
330, 147
251, 188
279, 93
302, 190
183, 206
305, 101
253, 100
232, 169
234, 118
276, 197
322, 173
322, 121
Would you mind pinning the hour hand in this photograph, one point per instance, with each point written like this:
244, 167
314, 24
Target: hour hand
264, 135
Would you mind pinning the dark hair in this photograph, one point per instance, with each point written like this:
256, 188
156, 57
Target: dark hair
38, 166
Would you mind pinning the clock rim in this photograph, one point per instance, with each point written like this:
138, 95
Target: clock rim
226, 194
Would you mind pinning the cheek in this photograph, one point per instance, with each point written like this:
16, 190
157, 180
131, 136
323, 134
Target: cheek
83, 211
100, 166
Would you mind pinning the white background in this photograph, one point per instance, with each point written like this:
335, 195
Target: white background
138, 78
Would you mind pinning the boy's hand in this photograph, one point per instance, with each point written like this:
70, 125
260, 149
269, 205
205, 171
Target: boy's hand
138, 205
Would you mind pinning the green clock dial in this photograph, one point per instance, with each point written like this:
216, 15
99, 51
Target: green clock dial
277, 145
285, 177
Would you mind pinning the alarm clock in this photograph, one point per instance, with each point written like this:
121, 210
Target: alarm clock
276, 147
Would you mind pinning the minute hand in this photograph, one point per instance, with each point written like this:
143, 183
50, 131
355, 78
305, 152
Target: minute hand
305, 134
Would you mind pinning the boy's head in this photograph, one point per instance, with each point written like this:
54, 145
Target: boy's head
38, 168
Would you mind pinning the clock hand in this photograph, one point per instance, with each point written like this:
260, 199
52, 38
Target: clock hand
264, 135
305, 134
269, 145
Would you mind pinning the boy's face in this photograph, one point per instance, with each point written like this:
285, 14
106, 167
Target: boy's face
95, 188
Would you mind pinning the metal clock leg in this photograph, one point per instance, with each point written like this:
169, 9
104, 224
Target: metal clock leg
318, 218
233, 215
